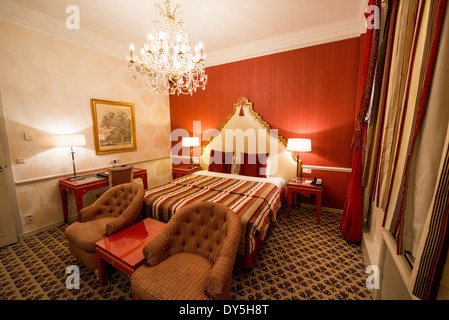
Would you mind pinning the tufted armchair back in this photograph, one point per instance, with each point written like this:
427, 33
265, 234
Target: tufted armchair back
123, 202
193, 257
203, 228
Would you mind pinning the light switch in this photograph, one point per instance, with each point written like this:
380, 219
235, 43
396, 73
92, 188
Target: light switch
29, 136
20, 160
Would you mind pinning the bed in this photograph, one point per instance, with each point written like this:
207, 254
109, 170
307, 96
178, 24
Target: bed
247, 176
256, 201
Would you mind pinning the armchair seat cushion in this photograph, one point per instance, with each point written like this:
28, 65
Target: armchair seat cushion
85, 234
181, 276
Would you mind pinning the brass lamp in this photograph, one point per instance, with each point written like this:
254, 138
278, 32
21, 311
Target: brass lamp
299, 145
191, 142
71, 141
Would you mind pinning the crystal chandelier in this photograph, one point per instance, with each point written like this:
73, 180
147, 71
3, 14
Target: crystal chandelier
167, 64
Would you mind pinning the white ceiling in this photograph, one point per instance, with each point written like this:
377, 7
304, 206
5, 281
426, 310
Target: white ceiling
229, 29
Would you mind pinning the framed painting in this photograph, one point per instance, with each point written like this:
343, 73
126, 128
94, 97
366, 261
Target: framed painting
114, 126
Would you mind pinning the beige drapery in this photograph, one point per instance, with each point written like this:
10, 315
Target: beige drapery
395, 99
429, 189
426, 157
407, 178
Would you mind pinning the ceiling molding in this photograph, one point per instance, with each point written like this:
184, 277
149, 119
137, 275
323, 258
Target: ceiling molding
327, 33
341, 30
18, 14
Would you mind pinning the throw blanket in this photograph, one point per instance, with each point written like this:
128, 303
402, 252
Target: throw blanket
256, 203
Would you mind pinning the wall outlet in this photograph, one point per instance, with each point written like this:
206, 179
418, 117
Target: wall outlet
29, 219
304, 170
115, 162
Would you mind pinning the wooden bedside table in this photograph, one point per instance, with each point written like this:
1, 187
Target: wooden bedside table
183, 169
304, 188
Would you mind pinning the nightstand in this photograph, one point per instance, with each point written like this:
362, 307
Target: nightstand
183, 170
304, 188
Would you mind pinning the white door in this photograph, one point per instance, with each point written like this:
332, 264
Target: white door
8, 232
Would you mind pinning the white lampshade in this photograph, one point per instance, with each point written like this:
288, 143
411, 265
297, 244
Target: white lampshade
190, 142
299, 145
70, 140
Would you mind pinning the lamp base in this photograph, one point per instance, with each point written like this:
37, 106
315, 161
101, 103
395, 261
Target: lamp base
191, 159
297, 179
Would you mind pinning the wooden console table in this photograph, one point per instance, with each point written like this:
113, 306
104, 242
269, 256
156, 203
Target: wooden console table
87, 183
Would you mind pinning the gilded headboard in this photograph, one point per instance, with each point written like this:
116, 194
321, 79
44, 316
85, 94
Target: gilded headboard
245, 131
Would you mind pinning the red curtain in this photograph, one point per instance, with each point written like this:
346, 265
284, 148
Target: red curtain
352, 217
351, 221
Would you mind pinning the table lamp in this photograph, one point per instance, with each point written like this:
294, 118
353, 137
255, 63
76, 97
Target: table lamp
191, 142
299, 145
71, 141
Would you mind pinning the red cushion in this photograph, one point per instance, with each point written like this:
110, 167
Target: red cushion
253, 165
220, 161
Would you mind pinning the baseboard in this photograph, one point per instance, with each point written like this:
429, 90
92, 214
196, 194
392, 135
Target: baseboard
45, 228
366, 257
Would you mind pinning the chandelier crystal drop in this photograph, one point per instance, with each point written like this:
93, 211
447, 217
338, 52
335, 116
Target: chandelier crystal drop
166, 63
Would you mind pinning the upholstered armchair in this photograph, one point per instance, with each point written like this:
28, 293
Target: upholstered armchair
192, 258
118, 208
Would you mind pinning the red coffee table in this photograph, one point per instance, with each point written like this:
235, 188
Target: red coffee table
123, 249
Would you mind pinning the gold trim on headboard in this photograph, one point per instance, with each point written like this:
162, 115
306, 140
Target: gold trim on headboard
241, 103
240, 121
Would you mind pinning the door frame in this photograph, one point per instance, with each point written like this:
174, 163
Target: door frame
9, 175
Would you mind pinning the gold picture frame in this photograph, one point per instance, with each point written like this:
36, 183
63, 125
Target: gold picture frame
114, 126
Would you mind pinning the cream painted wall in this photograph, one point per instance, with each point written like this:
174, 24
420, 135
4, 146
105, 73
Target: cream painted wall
46, 85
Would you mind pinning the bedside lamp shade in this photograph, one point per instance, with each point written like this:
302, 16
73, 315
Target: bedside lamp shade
71, 141
299, 145
191, 142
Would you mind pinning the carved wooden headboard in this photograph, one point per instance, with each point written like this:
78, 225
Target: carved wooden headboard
245, 131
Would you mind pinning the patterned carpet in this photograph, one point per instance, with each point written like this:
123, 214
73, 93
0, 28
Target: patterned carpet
298, 260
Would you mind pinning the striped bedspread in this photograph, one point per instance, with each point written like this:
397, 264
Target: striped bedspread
256, 203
